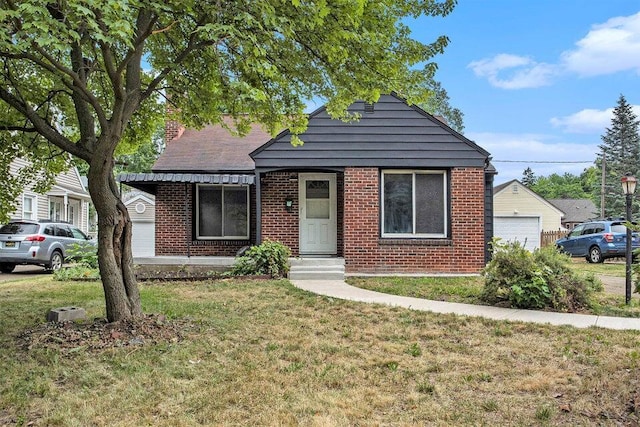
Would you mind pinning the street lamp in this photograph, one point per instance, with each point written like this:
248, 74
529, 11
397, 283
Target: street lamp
628, 187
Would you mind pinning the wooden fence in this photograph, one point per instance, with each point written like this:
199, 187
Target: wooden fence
549, 237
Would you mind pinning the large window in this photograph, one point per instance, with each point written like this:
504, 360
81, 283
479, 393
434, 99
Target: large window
222, 212
414, 203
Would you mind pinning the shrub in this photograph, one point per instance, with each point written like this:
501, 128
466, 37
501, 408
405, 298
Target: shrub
85, 263
270, 258
542, 279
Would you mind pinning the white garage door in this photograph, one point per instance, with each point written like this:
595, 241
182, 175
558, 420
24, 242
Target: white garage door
525, 230
143, 241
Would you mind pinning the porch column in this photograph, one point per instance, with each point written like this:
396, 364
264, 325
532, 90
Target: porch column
66, 207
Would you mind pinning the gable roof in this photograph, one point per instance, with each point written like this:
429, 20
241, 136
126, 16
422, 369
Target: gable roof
211, 149
576, 210
502, 187
391, 134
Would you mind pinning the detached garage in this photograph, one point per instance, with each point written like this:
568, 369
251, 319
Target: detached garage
141, 207
519, 214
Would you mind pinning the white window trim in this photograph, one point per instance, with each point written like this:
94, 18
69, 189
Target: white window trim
33, 210
415, 172
197, 216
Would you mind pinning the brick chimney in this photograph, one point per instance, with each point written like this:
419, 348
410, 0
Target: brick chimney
172, 128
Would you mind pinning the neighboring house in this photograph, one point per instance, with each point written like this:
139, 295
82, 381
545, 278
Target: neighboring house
521, 214
142, 210
68, 199
576, 211
396, 192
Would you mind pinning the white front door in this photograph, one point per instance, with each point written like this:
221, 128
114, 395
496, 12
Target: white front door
318, 222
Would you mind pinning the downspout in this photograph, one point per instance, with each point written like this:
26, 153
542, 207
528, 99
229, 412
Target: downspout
258, 209
186, 223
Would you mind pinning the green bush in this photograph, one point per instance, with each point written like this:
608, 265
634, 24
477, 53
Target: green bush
270, 258
84, 257
543, 279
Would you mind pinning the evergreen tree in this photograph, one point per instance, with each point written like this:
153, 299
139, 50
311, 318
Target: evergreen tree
620, 149
528, 178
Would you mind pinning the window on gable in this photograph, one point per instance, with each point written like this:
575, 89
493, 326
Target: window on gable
414, 204
222, 212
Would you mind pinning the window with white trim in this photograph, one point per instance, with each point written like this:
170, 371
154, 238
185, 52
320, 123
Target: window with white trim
414, 204
55, 210
27, 207
222, 211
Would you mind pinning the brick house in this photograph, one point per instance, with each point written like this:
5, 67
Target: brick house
396, 192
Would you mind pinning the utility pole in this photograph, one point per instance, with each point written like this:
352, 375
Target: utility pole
602, 185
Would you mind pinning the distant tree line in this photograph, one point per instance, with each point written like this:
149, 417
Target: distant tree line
619, 154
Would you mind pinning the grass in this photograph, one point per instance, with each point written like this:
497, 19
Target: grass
611, 267
265, 353
468, 289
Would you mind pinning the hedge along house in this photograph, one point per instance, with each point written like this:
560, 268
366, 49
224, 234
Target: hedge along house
397, 191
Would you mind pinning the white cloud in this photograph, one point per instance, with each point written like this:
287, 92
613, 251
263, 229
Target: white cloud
513, 72
532, 150
588, 120
607, 48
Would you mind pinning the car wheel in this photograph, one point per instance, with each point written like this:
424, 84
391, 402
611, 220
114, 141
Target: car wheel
55, 263
595, 255
7, 268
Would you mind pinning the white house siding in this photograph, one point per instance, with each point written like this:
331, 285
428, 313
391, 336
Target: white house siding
67, 183
523, 202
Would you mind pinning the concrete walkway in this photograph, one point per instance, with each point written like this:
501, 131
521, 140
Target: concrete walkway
339, 289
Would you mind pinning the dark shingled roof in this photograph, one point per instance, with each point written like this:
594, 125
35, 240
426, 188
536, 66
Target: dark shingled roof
211, 149
576, 210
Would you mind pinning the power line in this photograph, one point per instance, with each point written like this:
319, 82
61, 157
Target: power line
542, 161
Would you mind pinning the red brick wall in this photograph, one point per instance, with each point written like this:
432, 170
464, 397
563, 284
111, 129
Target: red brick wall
283, 226
277, 223
366, 252
175, 228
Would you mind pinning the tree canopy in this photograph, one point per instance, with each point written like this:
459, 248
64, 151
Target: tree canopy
621, 154
88, 78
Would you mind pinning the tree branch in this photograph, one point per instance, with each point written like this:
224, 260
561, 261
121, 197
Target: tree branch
41, 126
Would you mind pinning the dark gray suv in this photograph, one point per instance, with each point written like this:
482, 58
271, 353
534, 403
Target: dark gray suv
43, 243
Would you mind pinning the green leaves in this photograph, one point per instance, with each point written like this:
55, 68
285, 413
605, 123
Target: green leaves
88, 77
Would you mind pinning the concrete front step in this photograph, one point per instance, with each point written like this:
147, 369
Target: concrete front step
316, 275
316, 261
316, 269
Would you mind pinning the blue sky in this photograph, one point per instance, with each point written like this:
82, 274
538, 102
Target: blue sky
537, 80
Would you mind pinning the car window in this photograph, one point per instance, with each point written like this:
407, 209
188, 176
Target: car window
63, 231
49, 230
588, 230
577, 231
78, 234
19, 228
618, 228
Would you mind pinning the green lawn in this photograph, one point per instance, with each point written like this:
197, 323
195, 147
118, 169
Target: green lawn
265, 353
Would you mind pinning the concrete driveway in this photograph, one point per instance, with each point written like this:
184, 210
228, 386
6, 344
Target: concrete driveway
23, 272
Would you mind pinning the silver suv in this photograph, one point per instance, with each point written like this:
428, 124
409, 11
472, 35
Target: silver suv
45, 243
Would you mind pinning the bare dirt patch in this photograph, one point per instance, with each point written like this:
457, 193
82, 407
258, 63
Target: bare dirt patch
98, 334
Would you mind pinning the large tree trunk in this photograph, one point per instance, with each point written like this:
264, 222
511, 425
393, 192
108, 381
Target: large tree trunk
114, 243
